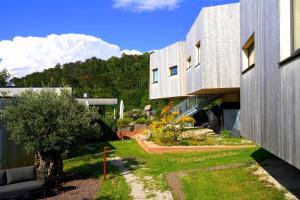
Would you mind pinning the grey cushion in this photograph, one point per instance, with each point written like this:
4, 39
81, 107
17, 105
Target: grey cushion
20, 174
2, 177
20, 188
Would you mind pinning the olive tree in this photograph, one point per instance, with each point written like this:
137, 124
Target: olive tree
47, 124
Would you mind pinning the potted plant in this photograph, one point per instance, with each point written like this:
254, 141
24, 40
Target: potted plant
124, 125
140, 124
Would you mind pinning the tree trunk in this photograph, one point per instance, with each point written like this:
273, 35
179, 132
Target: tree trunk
50, 163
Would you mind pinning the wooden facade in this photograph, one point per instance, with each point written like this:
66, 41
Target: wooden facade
208, 61
168, 86
269, 83
270, 89
217, 30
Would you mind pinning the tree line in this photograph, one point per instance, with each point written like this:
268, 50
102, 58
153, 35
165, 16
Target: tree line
124, 78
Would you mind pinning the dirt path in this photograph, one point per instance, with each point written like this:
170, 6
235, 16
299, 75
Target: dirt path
173, 180
138, 190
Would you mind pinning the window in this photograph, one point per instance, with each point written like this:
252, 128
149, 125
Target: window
249, 53
198, 54
173, 71
296, 24
189, 63
155, 76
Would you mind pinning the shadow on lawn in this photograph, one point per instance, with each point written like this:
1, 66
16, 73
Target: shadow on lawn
88, 149
284, 173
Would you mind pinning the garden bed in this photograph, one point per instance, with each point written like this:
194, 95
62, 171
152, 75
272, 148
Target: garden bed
151, 147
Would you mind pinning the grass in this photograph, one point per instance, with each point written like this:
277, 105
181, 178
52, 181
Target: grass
88, 161
115, 187
228, 184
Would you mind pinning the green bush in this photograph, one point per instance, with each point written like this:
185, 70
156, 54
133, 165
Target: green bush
141, 121
123, 122
137, 113
226, 133
184, 142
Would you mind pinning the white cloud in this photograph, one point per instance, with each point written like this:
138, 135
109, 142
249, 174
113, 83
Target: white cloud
146, 5
131, 52
24, 55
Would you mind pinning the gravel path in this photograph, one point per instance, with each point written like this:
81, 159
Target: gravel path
138, 190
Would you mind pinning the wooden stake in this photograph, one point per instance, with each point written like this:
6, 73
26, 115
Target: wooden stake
105, 149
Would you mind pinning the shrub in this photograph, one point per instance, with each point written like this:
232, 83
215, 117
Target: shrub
169, 127
141, 121
226, 133
123, 122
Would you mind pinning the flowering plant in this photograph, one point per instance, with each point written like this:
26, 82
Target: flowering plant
170, 125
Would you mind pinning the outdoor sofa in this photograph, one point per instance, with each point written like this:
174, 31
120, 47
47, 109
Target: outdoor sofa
20, 183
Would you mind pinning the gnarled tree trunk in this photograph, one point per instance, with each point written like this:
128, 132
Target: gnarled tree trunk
49, 162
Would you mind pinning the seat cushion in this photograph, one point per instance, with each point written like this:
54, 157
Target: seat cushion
2, 178
20, 174
20, 188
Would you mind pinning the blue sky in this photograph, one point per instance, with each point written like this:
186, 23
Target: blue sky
125, 23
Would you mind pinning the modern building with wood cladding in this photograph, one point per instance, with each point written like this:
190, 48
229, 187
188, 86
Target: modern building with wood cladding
203, 68
167, 72
213, 51
270, 78
208, 62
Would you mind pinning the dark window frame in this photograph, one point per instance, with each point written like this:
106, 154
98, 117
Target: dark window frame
173, 67
295, 53
153, 72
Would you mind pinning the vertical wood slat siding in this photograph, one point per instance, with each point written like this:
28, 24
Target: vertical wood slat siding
270, 96
290, 112
168, 86
218, 30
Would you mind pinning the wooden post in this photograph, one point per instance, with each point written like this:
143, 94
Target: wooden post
105, 149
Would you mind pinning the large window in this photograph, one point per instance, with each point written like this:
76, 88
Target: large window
198, 54
155, 76
173, 71
296, 24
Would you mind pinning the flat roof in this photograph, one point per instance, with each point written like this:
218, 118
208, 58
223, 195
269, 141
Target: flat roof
17, 91
98, 101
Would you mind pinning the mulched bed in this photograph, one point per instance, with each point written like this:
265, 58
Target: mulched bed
75, 188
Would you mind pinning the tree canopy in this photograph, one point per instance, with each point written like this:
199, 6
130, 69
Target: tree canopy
124, 78
4, 75
47, 124
47, 121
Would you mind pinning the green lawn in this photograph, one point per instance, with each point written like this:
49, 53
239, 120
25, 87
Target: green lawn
87, 161
228, 184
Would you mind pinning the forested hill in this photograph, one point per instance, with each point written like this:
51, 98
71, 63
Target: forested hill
124, 78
